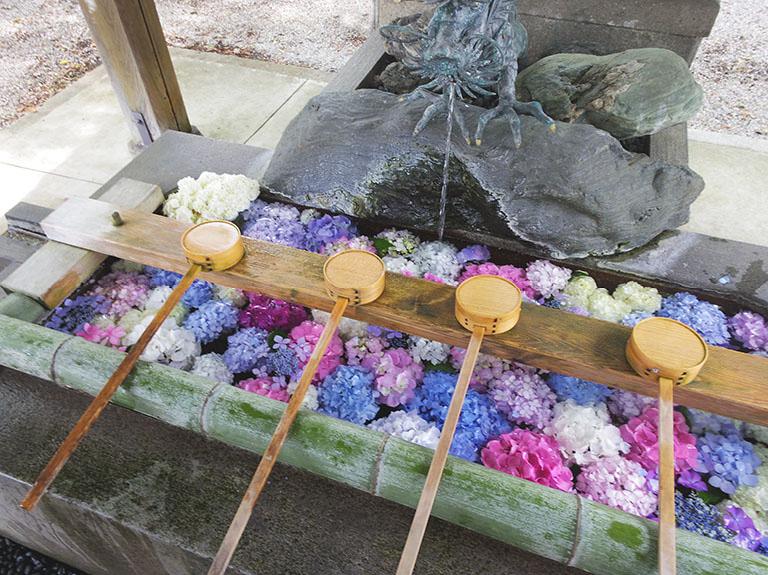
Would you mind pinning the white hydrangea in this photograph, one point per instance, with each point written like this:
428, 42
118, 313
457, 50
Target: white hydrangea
402, 242
126, 266
212, 366
155, 300
439, 259
348, 327
547, 278
410, 427
233, 295
578, 290
638, 298
310, 398
401, 265
428, 351
601, 305
308, 215
585, 433
211, 197
171, 345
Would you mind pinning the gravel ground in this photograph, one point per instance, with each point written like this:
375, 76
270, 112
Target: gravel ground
45, 44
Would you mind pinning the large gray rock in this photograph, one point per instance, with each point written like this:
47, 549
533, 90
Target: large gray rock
575, 192
629, 94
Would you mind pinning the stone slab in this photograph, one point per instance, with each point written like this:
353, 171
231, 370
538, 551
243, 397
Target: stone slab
140, 496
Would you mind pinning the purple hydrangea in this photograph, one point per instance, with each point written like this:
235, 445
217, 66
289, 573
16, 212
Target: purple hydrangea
328, 229
123, 290
159, 277
523, 397
706, 318
282, 361
198, 293
632, 319
274, 210
579, 390
750, 330
701, 422
347, 393
625, 405
747, 535
477, 254
211, 320
729, 460
245, 348
694, 515
278, 231
72, 314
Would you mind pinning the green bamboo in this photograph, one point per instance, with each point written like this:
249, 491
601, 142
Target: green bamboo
557, 525
21, 307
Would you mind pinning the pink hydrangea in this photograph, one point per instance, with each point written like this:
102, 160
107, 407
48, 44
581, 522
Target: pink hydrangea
111, 336
303, 339
532, 456
267, 313
124, 290
429, 276
641, 433
397, 375
620, 483
514, 274
273, 388
366, 350
487, 368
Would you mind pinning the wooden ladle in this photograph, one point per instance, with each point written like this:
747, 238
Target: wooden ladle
351, 277
209, 246
485, 304
669, 353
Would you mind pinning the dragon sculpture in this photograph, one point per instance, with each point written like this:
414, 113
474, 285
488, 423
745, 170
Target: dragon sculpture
467, 50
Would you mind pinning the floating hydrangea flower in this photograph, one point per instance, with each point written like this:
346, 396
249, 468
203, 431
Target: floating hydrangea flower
620, 483
634, 318
198, 293
738, 521
638, 298
701, 422
585, 433
641, 433
365, 350
355, 243
410, 427
754, 499
576, 294
304, 337
277, 231
428, 351
273, 388
392, 242
72, 314
282, 361
514, 274
706, 318
401, 265
275, 210
692, 514
269, 314
523, 397
159, 277
212, 366
212, 320
750, 330
245, 348
171, 345
348, 327
729, 460
211, 197
580, 391
476, 253
348, 393
124, 290
531, 456
439, 259
391, 337
110, 336
310, 400
624, 405
546, 278
602, 305
327, 230
396, 377
487, 368
234, 296
478, 422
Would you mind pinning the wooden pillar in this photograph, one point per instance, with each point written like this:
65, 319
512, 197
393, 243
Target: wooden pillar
131, 42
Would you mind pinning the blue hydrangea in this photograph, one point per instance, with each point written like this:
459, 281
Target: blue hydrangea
211, 320
701, 422
477, 253
479, 420
198, 293
278, 231
579, 390
274, 210
158, 277
282, 361
632, 319
72, 314
694, 515
706, 318
347, 393
729, 460
328, 229
245, 348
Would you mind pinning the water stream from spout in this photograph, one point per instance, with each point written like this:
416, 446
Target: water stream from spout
444, 188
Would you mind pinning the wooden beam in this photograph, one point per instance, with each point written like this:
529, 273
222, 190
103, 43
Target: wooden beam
131, 42
732, 384
56, 270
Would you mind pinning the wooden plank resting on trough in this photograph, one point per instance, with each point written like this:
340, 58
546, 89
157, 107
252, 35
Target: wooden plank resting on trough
731, 383
56, 270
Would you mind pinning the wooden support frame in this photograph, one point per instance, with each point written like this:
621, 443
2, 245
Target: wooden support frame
732, 384
131, 43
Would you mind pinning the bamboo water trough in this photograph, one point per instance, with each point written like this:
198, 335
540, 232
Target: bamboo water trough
561, 526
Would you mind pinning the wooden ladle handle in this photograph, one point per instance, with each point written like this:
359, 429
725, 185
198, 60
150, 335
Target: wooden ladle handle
667, 554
